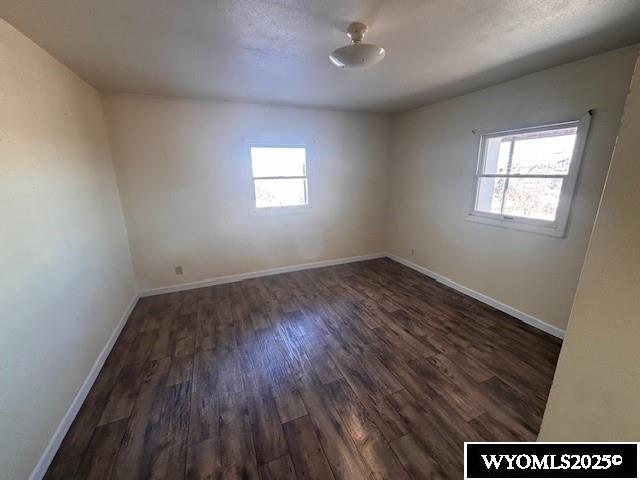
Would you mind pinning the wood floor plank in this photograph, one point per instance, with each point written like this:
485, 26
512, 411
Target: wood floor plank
306, 453
363, 370
268, 436
141, 347
79, 435
204, 423
290, 406
117, 408
62, 471
418, 462
204, 460
134, 457
181, 370
279, 469
164, 339
325, 368
368, 438
169, 456
101, 452
342, 454
237, 454
385, 417
124, 394
184, 346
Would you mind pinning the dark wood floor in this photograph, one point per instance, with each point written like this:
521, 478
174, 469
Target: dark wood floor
366, 370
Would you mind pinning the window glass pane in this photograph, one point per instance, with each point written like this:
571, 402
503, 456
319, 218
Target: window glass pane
278, 161
546, 152
490, 194
543, 153
496, 153
281, 192
536, 198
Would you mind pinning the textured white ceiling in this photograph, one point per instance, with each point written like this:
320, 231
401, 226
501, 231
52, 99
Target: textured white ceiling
276, 51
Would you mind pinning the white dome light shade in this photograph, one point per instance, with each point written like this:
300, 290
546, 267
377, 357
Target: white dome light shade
358, 55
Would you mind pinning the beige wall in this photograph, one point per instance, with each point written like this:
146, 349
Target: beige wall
596, 390
184, 179
66, 270
184, 183
433, 158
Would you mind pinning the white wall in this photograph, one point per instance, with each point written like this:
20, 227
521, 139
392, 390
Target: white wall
66, 269
433, 158
596, 388
183, 174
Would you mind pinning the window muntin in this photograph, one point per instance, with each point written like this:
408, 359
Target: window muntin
525, 178
279, 176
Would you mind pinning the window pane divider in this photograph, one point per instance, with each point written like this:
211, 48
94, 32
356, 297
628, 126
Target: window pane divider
515, 175
280, 178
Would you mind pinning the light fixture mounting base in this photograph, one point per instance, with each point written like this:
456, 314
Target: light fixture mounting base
356, 32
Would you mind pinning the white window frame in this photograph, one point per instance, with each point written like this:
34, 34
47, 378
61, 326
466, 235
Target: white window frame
254, 209
557, 227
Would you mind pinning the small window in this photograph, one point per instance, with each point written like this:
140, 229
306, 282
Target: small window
280, 177
525, 178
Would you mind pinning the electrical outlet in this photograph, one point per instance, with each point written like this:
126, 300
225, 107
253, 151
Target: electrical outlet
178, 270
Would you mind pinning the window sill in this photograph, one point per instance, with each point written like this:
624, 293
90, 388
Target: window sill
268, 211
551, 230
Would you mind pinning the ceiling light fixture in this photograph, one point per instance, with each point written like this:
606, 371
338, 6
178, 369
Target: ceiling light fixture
358, 54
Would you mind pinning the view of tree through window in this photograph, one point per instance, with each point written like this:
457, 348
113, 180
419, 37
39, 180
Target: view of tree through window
279, 176
522, 174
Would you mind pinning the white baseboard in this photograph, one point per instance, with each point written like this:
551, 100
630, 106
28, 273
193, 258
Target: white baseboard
260, 273
524, 317
47, 456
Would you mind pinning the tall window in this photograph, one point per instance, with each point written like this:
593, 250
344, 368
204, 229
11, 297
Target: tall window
280, 176
525, 178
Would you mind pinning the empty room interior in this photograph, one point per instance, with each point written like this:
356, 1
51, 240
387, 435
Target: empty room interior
251, 239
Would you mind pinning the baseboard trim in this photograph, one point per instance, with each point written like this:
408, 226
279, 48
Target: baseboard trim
524, 317
56, 440
259, 273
